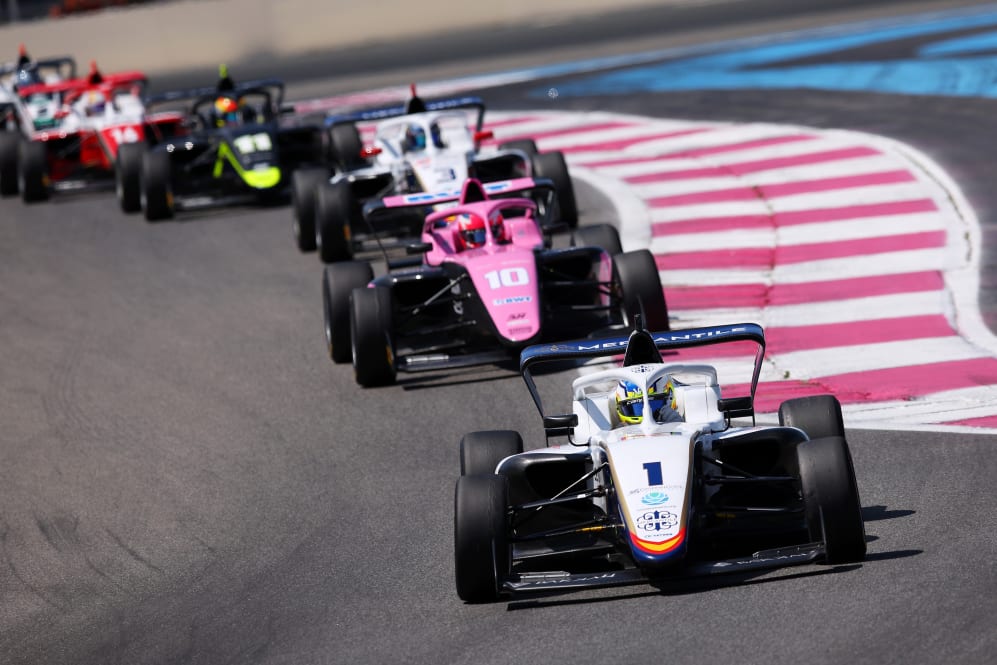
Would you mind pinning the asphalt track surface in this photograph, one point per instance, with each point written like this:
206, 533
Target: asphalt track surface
186, 478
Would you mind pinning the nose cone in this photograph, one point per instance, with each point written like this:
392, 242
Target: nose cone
506, 282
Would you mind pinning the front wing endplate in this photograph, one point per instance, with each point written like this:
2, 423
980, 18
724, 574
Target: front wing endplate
763, 560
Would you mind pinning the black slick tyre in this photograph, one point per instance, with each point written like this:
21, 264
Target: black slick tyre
336, 212
529, 146
157, 186
831, 498
604, 236
819, 415
551, 165
480, 452
371, 339
345, 146
481, 543
304, 186
32, 171
640, 287
9, 147
338, 282
128, 176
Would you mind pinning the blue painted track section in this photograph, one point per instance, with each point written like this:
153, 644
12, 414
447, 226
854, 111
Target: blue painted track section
945, 54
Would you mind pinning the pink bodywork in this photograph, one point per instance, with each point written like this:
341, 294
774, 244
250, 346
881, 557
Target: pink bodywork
504, 275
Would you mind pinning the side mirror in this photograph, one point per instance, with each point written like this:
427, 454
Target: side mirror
286, 109
418, 248
370, 151
562, 425
736, 407
483, 135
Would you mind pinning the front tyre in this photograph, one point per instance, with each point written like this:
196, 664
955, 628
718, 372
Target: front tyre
336, 212
480, 452
604, 236
338, 282
529, 146
831, 498
641, 291
481, 544
9, 147
32, 171
157, 186
370, 331
819, 415
551, 165
345, 146
128, 176
305, 184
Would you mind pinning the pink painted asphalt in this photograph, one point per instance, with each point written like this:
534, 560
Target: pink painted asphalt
857, 218
761, 295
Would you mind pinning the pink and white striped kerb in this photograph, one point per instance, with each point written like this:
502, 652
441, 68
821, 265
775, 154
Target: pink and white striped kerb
857, 254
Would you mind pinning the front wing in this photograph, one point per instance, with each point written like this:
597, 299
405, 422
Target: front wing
759, 561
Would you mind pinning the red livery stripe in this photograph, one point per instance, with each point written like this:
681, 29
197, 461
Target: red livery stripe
665, 546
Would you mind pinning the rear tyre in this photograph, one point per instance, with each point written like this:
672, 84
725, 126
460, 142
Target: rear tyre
304, 185
345, 146
551, 165
128, 176
338, 283
481, 543
9, 146
480, 452
641, 291
831, 498
336, 211
157, 186
604, 236
529, 146
819, 416
370, 331
32, 171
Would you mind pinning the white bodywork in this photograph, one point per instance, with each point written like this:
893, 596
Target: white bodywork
438, 166
650, 462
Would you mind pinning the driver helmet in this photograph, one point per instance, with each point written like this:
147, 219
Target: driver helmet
415, 137
96, 102
470, 231
227, 111
630, 401
497, 222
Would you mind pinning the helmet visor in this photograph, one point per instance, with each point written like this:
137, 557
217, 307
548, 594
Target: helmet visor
632, 407
473, 237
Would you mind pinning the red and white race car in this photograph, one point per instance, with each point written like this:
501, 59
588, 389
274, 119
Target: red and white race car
71, 132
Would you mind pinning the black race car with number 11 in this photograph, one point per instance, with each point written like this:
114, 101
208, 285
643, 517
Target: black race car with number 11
234, 149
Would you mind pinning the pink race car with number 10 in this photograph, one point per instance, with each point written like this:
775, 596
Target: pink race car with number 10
487, 284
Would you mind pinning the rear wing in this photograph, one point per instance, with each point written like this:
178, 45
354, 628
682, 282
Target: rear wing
262, 85
117, 79
471, 192
65, 66
585, 349
372, 115
68, 85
